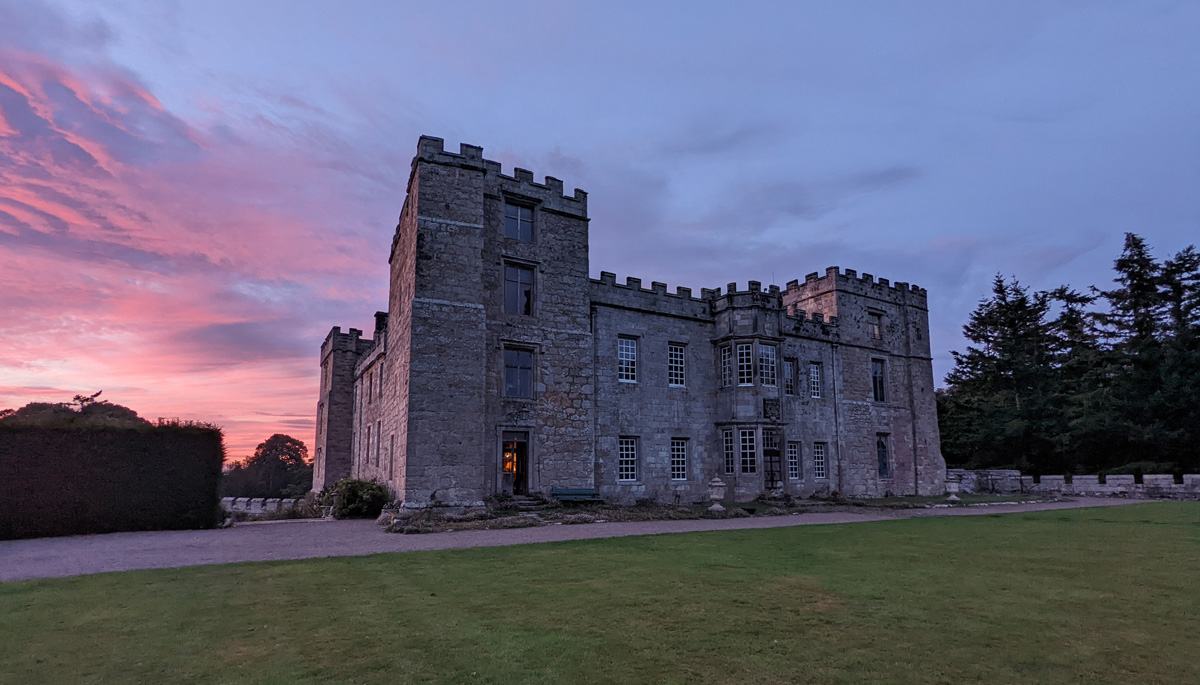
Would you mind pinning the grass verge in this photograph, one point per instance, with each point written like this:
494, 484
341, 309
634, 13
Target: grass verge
1089, 595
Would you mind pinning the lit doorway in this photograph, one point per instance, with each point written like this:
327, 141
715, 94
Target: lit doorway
514, 462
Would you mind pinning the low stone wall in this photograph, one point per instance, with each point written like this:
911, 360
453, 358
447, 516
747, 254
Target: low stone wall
257, 505
1009, 481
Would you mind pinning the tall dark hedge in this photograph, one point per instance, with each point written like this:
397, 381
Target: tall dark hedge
103, 479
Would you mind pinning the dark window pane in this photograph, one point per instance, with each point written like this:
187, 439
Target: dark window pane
518, 290
518, 373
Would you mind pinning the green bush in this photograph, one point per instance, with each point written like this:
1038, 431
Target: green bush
354, 498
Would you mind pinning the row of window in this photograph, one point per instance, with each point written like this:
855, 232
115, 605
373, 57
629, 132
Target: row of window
627, 459
518, 369
741, 453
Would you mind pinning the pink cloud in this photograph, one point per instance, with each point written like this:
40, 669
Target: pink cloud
187, 272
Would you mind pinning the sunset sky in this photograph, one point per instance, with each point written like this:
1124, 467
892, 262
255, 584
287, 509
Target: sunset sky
192, 193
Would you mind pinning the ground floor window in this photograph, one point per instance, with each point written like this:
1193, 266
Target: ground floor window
748, 451
881, 450
819, 470
678, 459
793, 460
730, 455
627, 459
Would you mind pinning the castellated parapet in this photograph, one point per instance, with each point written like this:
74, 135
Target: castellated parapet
500, 367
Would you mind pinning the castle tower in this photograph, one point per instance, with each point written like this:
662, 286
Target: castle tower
340, 353
488, 372
888, 436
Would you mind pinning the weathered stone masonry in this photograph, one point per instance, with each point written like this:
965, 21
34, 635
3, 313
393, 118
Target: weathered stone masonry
462, 394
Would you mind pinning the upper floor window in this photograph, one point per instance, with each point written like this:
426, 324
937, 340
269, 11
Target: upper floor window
518, 289
789, 377
814, 379
766, 364
745, 362
748, 452
876, 323
627, 359
676, 355
518, 222
518, 372
881, 450
678, 459
726, 366
879, 380
627, 459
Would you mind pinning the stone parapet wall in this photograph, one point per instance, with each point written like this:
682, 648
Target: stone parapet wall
1009, 481
257, 505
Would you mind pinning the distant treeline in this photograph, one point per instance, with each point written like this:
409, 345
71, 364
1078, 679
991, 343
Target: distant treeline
1068, 381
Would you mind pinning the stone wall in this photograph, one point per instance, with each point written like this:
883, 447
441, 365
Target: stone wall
1007, 481
257, 505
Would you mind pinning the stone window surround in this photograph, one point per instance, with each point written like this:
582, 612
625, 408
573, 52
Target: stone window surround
676, 365
820, 460
789, 376
814, 380
745, 364
508, 262
534, 349
795, 466
627, 459
730, 450
879, 379
768, 365
875, 323
679, 459
883, 453
748, 449
519, 203
627, 353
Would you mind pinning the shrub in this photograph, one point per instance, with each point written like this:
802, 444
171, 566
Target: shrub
355, 498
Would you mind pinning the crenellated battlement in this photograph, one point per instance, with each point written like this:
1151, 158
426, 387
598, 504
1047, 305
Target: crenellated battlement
849, 280
549, 193
337, 341
658, 298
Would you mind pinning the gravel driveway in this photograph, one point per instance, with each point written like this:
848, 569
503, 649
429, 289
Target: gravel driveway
308, 538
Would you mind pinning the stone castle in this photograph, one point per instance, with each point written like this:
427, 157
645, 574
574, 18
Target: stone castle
500, 367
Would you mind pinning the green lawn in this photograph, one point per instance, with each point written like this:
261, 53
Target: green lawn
1082, 596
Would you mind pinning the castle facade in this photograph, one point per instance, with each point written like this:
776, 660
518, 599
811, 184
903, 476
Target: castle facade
501, 367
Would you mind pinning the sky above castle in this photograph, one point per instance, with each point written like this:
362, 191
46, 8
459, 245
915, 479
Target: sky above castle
193, 193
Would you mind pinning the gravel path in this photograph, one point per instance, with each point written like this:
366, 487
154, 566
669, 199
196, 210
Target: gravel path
309, 538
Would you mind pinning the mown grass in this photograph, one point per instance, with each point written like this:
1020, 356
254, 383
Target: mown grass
1090, 595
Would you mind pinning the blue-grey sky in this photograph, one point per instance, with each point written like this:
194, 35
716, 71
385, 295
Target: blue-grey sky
211, 185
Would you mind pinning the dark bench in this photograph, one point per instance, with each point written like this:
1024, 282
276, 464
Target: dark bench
575, 495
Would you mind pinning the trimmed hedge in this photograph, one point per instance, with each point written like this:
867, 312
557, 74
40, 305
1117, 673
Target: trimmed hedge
101, 479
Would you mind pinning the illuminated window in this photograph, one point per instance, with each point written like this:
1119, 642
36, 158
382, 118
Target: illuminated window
627, 459
678, 459
676, 355
819, 460
518, 372
518, 289
627, 359
793, 461
749, 458
518, 222
766, 364
745, 359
